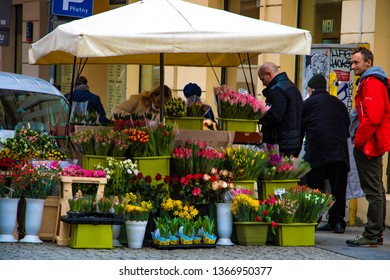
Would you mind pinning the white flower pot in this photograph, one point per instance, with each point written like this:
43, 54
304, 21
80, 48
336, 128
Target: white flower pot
224, 224
135, 232
33, 221
116, 231
8, 212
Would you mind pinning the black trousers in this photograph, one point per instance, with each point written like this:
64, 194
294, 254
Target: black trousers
337, 175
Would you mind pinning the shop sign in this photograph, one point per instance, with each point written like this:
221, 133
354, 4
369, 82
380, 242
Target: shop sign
327, 26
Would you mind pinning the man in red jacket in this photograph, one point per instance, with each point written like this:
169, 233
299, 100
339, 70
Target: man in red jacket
372, 140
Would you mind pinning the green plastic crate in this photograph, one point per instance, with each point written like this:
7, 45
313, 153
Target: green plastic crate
238, 125
295, 234
153, 165
192, 123
91, 236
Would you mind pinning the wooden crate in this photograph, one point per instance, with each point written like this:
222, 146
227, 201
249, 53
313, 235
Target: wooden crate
49, 218
62, 229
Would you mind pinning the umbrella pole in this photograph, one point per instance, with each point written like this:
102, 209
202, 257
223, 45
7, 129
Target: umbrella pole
162, 94
250, 72
70, 96
243, 71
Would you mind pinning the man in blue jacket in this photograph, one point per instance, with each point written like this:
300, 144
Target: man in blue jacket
82, 94
281, 124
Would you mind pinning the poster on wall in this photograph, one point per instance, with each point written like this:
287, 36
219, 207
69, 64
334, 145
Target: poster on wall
332, 61
116, 85
66, 78
116, 78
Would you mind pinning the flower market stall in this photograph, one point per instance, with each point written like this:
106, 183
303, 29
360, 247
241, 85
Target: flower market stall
207, 180
171, 205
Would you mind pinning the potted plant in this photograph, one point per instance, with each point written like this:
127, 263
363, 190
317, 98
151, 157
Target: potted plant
161, 236
174, 226
237, 111
221, 184
30, 144
104, 206
205, 188
151, 145
9, 199
36, 181
186, 214
137, 213
208, 226
186, 232
296, 211
76, 205
119, 174
138, 138
185, 116
98, 144
167, 231
154, 189
176, 107
196, 157
252, 219
280, 171
245, 163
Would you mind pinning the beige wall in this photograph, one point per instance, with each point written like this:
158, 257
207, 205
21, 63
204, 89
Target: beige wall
283, 12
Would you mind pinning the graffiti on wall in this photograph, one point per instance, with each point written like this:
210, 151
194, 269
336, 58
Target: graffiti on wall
334, 63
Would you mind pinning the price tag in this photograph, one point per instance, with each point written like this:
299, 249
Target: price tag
280, 192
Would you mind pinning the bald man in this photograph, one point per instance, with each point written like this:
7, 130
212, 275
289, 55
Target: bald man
282, 123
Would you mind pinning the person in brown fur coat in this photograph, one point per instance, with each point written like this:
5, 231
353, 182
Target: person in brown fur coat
147, 102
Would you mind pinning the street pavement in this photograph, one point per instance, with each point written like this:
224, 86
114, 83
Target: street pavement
328, 246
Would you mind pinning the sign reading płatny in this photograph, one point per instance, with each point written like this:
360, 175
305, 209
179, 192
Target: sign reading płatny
72, 8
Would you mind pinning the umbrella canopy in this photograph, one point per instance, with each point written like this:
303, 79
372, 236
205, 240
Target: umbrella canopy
187, 34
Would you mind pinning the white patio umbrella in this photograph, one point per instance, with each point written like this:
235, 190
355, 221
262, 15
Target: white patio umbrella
167, 32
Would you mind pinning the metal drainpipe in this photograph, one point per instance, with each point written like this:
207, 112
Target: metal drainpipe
50, 28
361, 21
353, 202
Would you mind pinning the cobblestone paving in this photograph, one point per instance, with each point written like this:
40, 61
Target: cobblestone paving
51, 251
328, 246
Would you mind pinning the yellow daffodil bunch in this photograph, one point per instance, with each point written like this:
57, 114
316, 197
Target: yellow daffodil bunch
177, 209
137, 209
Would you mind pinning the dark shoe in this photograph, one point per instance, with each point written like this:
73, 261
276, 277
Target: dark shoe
325, 227
362, 241
339, 228
380, 239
